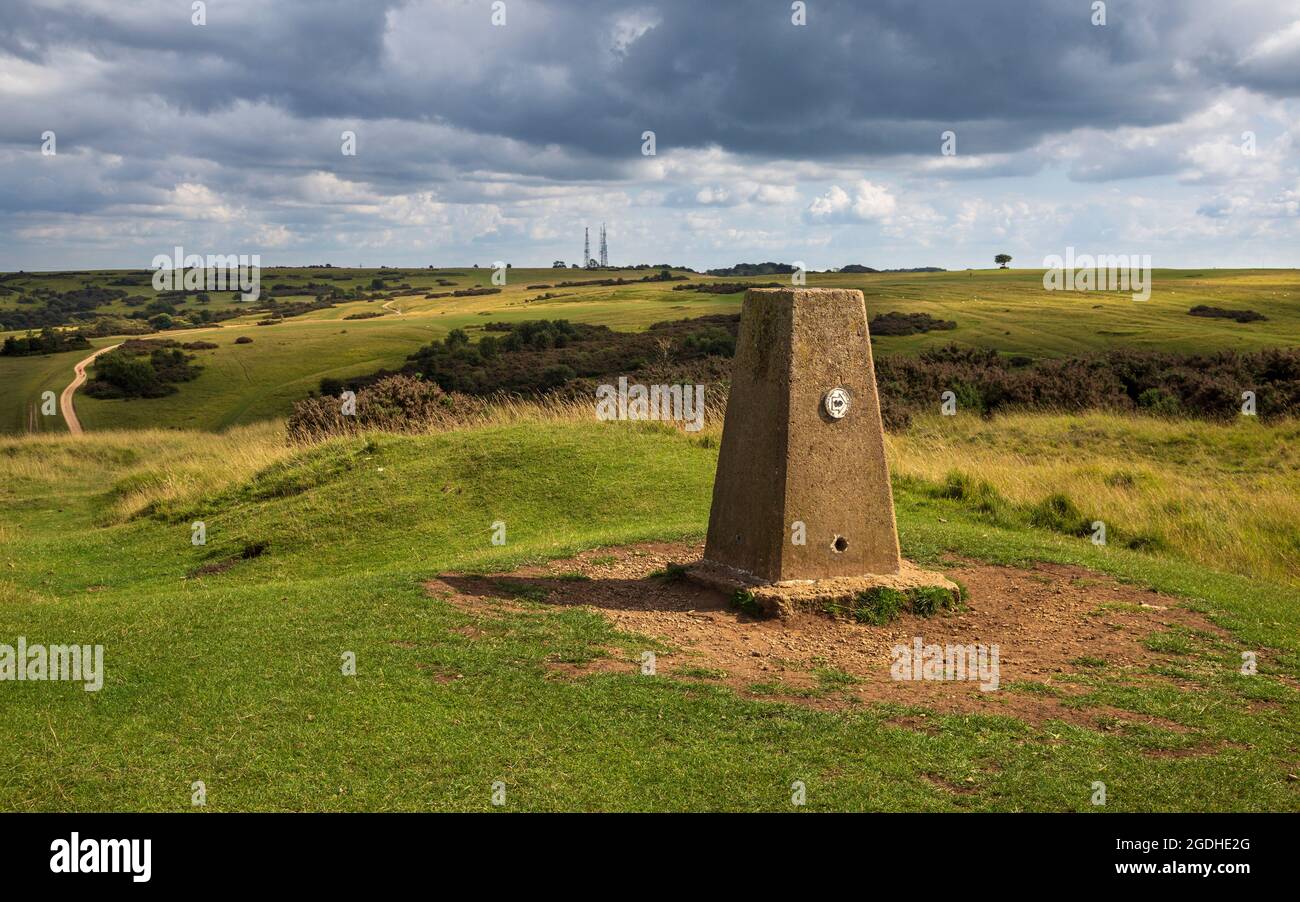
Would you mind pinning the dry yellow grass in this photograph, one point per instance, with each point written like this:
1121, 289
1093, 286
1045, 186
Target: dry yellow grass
155, 464
1225, 495
161, 466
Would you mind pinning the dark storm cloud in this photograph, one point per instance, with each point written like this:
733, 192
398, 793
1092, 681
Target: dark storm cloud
859, 80
519, 134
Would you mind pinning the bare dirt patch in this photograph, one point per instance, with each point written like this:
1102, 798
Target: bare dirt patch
1049, 622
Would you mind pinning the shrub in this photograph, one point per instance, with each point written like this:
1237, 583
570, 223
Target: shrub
711, 341
1241, 316
331, 387
555, 376
393, 404
141, 369
1159, 402
524, 358
896, 323
47, 341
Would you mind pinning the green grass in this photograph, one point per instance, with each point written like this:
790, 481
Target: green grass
881, 605
25, 379
234, 678
1003, 309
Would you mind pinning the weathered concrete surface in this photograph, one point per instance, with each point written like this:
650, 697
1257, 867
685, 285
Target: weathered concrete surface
816, 595
785, 459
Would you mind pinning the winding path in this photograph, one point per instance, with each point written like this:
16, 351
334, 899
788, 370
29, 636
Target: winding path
65, 400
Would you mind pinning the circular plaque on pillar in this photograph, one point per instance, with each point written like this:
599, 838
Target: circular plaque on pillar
836, 403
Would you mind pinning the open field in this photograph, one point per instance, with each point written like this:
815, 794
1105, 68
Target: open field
25, 379
232, 676
1003, 309
1223, 495
1122, 661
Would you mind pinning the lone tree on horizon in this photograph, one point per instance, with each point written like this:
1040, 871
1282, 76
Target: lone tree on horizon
1002, 260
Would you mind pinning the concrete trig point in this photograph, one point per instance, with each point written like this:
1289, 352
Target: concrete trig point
803, 457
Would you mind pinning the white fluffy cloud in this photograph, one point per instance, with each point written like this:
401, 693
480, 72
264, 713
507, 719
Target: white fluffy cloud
869, 202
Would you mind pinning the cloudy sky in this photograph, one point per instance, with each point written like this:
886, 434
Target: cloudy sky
821, 142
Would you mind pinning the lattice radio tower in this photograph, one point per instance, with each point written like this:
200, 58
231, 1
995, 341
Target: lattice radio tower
604, 248
586, 247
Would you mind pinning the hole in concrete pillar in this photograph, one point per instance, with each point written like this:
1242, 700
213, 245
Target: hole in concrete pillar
841, 543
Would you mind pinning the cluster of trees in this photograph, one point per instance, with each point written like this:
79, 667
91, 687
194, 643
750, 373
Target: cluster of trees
593, 264
725, 287
44, 307
543, 356
664, 275
1208, 386
455, 364
753, 269
47, 341
571, 359
141, 369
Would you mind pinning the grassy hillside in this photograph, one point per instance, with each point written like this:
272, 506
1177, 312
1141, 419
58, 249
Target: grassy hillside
234, 678
1003, 309
1227, 495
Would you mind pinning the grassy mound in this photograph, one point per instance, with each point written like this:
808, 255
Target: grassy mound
224, 660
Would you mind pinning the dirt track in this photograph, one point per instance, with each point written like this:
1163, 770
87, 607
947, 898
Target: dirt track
65, 400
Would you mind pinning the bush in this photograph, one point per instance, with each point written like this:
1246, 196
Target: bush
712, 341
47, 341
895, 323
1208, 386
393, 404
141, 369
1241, 316
331, 387
243, 340
528, 357
555, 376
1159, 402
